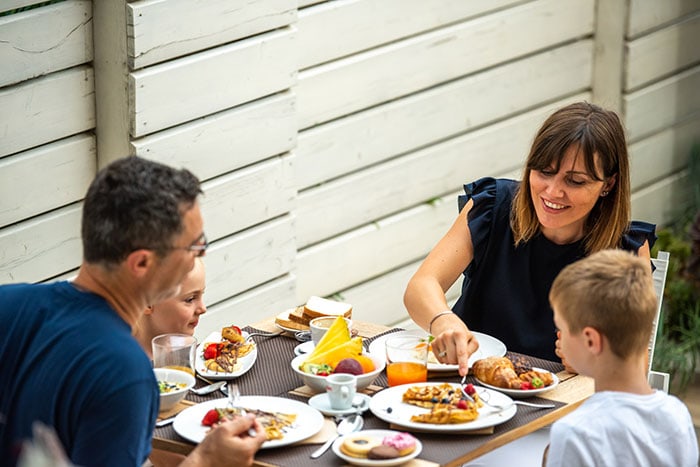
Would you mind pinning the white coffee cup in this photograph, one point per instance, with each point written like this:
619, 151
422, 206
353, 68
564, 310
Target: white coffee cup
319, 326
341, 388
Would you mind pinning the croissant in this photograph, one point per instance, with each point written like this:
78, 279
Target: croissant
497, 371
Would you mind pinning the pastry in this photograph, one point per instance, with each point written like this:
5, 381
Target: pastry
405, 443
497, 371
358, 446
383, 452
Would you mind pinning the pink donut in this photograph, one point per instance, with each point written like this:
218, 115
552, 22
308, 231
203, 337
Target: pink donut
403, 442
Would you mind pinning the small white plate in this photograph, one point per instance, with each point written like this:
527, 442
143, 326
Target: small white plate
246, 362
488, 347
321, 403
401, 412
374, 462
524, 393
304, 348
285, 315
188, 423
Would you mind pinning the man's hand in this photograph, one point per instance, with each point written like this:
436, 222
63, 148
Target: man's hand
228, 444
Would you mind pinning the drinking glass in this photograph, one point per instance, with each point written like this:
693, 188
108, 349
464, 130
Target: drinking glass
406, 360
176, 351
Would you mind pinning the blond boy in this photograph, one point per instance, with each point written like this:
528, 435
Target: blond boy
604, 306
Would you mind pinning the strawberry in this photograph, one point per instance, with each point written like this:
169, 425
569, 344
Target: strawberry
211, 418
211, 351
526, 385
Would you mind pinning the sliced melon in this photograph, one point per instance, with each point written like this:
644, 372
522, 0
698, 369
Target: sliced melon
331, 357
336, 335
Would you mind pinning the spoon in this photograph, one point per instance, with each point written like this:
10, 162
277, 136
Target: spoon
208, 389
349, 425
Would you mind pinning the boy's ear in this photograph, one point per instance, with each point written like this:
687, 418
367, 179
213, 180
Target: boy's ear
593, 340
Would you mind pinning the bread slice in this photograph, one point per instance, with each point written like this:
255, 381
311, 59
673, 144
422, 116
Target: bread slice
317, 306
297, 315
283, 320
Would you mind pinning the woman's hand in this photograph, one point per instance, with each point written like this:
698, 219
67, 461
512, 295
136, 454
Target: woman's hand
454, 342
560, 354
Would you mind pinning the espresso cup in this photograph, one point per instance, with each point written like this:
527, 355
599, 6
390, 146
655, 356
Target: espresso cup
341, 388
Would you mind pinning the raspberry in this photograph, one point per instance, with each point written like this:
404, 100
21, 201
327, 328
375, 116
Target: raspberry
469, 389
462, 404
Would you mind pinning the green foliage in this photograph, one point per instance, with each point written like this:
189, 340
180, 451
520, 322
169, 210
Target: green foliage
678, 343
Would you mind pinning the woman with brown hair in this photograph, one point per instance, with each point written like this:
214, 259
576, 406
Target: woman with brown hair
512, 238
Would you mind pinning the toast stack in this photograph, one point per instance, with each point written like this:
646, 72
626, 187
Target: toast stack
298, 318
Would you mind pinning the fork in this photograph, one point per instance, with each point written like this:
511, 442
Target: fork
485, 400
234, 402
263, 334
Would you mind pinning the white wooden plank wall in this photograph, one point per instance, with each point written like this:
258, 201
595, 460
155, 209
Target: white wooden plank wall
332, 137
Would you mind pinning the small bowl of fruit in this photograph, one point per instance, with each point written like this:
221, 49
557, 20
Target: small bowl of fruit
337, 352
366, 366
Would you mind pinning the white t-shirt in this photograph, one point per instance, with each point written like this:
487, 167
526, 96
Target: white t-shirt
622, 429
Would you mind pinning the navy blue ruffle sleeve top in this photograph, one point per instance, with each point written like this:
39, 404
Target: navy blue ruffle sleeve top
505, 289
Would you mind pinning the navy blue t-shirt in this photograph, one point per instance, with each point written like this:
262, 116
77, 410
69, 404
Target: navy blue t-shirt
505, 292
68, 360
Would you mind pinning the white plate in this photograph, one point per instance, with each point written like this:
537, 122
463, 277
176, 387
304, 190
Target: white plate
374, 462
401, 412
488, 347
321, 403
246, 362
524, 393
304, 347
188, 423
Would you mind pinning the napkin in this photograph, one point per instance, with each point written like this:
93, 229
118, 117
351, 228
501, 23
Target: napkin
179, 407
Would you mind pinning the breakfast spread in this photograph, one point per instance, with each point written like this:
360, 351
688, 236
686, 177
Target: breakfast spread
298, 318
503, 373
222, 356
447, 404
275, 423
372, 447
338, 352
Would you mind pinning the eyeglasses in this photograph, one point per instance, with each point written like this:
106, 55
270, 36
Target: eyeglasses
198, 247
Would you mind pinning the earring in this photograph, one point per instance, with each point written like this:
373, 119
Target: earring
605, 193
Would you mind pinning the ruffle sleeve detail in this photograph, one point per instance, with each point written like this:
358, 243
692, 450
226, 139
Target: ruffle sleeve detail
491, 200
638, 233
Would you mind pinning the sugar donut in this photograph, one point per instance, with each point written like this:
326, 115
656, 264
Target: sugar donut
358, 446
403, 442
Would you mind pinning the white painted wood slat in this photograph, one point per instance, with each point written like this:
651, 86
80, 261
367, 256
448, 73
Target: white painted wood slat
344, 86
252, 306
662, 53
246, 197
245, 260
664, 153
46, 109
662, 104
42, 247
45, 178
61, 37
372, 250
171, 93
331, 150
157, 32
645, 15
662, 202
342, 27
227, 140
414, 178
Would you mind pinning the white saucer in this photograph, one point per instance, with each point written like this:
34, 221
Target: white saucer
304, 347
321, 403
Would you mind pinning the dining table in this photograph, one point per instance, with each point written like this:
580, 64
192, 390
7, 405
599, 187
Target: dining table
271, 375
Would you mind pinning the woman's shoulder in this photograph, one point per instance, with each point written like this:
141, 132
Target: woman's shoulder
638, 233
488, 191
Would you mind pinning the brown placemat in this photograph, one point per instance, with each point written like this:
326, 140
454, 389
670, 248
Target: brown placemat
179, 407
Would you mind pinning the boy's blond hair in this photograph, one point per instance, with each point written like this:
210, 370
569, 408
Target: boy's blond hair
611, 291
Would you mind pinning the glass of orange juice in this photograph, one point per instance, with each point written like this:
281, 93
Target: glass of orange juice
406, 360
175, 351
